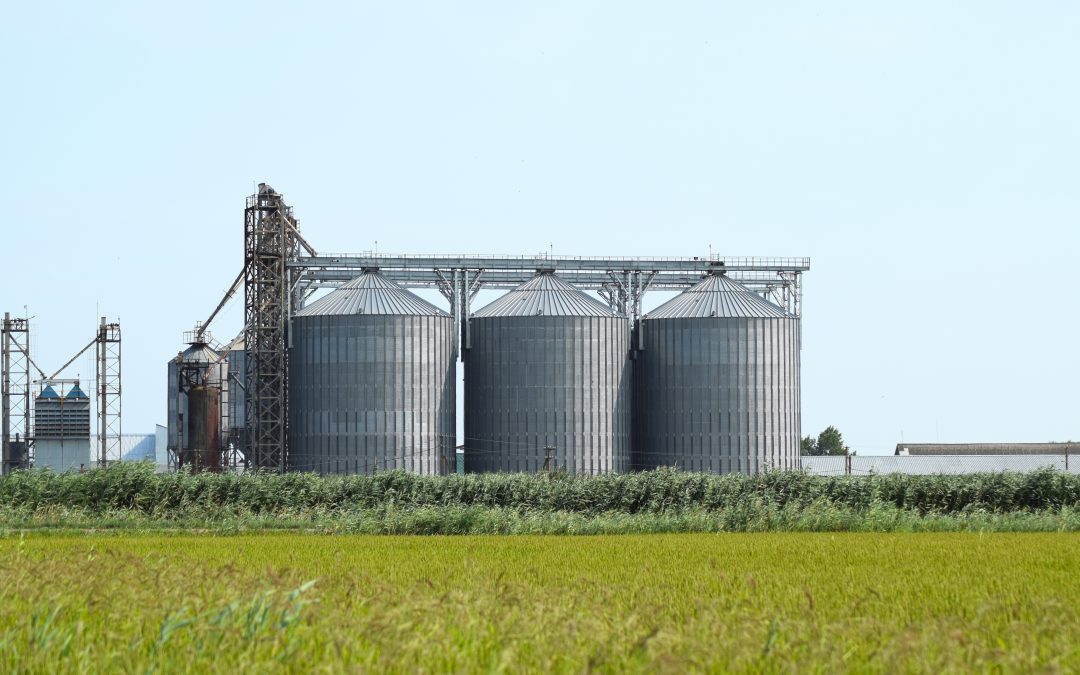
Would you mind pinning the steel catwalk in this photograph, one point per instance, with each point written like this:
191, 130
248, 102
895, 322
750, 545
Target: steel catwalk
717, 383
372, 382
547, 373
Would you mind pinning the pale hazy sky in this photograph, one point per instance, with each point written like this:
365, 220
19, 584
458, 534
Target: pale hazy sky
923, 154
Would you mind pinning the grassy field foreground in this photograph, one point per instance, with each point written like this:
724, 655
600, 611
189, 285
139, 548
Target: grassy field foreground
747, 602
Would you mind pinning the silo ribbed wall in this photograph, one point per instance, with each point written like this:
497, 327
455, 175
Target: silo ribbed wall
718, 394
236, 383
175, 408
372, 392
538, 381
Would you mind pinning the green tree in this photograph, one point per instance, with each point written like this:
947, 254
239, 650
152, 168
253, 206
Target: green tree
809, 445
830, 442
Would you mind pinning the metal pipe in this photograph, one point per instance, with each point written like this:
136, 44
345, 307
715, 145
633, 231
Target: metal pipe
72, 359
301, 240
228, 295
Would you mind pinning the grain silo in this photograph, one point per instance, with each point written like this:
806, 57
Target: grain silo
372, 382
717, 382
194, 406
547, 383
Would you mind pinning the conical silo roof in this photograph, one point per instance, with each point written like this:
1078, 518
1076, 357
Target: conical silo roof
76, 392
717, 296
199, 352
371, 293
48, 392
544, 295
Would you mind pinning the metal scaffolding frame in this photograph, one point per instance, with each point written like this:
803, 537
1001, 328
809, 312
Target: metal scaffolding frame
271, 238
108, 392
16, 409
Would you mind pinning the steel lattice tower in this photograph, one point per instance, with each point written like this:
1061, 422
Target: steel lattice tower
109, 392
16, 445
270, 240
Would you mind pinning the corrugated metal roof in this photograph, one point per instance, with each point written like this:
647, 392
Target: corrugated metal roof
986, 448
717, 296
544, 295
75, 392
371, 293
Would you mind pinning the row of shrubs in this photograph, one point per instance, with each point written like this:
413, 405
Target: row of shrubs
135, 486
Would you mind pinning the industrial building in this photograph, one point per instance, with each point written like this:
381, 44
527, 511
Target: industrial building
986, 448
563, 372
62, 427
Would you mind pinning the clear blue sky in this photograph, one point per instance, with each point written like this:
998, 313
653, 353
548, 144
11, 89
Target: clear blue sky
924, 155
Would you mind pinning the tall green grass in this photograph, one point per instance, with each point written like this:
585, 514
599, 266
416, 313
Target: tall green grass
132, 496
136, 486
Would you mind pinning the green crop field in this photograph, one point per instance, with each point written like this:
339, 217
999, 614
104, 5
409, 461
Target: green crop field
772, 602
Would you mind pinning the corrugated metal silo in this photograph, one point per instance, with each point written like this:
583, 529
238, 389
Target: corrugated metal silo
547, 367
194, 407
372, 382
717, 382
